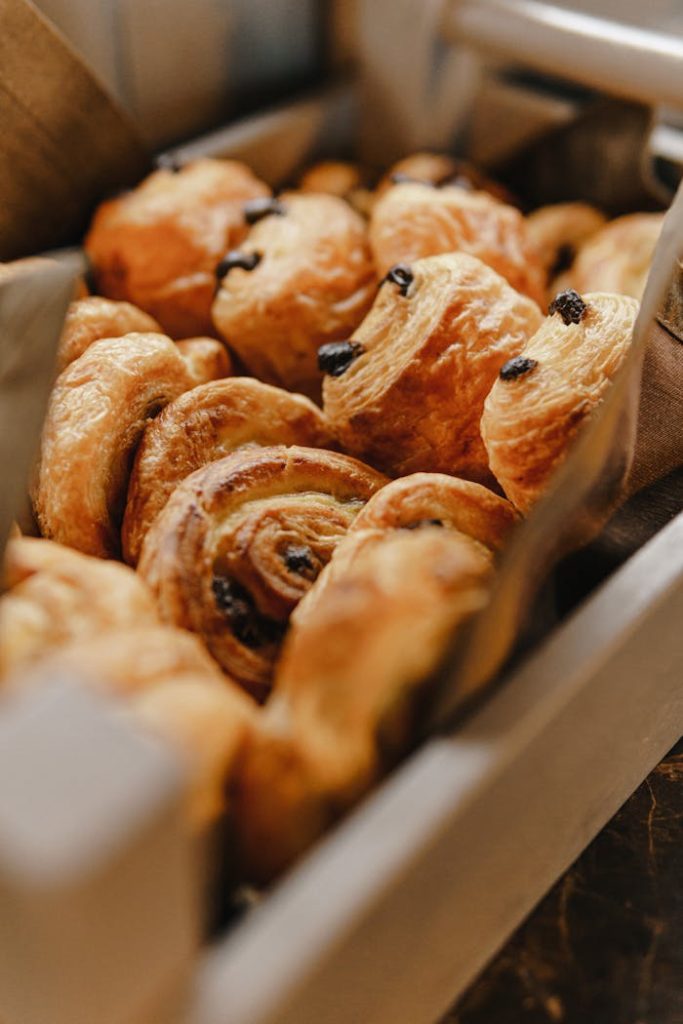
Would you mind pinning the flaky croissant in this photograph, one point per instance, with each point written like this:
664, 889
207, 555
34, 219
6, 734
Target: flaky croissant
412, 221
240, 541
205, 424
303, 277
407, 391
543, 396
96, 416
158, 245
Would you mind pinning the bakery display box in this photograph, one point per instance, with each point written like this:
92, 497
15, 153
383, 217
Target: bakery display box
396, 910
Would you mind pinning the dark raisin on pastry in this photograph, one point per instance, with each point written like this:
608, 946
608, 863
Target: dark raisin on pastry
517, 367
250, 627
335, 357
264, 206
237, 258
419, 523
402, 275
299, 559
564, 258
569, 305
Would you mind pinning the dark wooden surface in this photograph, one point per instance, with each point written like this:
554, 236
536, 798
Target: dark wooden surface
606, 944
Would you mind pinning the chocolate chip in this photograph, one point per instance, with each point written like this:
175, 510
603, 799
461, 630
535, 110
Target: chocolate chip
237, 258
517, 367
569, 305
250, 627
257, 209
422, 522
299, 559
564, 258
168, 162
336, 357
402, 275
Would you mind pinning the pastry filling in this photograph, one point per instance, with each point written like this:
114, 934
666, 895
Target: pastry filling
402, 275
517, 367
569, 305
336, 357
249, 626
237, 258
256, 209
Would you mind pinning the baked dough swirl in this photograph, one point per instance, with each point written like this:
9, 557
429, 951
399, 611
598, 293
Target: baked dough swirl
311, 281
422, 363
205, 424
158, 245
413, 220
96, 416
559, 231
544, 396
241, 540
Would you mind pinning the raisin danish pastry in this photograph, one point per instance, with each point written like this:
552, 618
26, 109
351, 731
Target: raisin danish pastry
240, 541
412, 221
158, 245
559, 231
407, 391
206, 424
55, 595
546, 393
361, 644
617, 258
303, 277
96, 416
440, 170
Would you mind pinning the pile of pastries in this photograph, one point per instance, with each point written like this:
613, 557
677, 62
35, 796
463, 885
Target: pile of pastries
288, 438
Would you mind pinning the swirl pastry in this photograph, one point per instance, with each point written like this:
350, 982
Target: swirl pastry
348, 683
158, 245
94, 318
407, 391
240, 541
440, 170
96, 416
207, 424
545, 394
617, 258
205, 359
412, 221
558, 232
304, 277
55, 595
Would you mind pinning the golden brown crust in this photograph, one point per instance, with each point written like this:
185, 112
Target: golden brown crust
617, 258
96, 416
206, 359
347, 683
209, 724
424, 499
332, 177
412, 221
412, 399
206, 424
158, 245
240, 541
531, 420
56, 595
313, 284
559, 231
94, 318
440, 169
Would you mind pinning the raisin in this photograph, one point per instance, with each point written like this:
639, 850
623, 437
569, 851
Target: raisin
517, 367
250, 627
402, 275
564, 257
299, 559
569, 305
257, 209
335, 357
422, 522
237, 258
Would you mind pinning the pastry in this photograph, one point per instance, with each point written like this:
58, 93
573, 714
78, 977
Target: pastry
406, 392
303, 277
333, 177
158, 245
94, 318
241, 540
361, 645
55, 595
206, 424
617, 258
412, 221
558, 232
545, 394
440, 170
205, 359
96, 416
